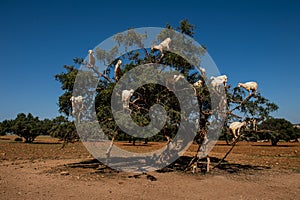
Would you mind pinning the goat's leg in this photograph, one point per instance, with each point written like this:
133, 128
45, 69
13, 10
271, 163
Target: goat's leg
109, 149
208, 164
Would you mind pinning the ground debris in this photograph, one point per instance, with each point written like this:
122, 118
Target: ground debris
64, 173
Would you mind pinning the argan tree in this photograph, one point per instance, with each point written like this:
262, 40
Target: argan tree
143, 98
278, 129
27, 127
64, 130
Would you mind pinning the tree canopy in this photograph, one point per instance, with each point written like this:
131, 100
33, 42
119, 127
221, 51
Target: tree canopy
279, 129
144, 97
27, 127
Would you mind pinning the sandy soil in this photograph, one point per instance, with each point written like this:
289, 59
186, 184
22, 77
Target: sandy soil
45, 171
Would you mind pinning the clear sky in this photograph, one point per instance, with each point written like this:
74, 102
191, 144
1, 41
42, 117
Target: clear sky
248, 40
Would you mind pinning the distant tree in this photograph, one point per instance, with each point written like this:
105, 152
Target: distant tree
46, 126
279, 129
6, 127
64, 130
27, 127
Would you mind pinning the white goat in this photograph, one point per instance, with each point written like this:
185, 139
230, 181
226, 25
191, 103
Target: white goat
177, 77
126, 94
203, 71
249, 86
91, 59
76, 101
164, 44
172, 80
118, 72
197, 85
216, 82
235, 128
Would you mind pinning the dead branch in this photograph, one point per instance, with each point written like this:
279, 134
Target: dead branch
244, 101
101, 75
233, 145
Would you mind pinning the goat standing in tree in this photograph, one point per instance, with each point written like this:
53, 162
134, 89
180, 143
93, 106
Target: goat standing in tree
249, 86
164, 44
216, 82
91, 59
203, 71
198, 84
235, 128
76, 102
126, 95
118, 72
172, 80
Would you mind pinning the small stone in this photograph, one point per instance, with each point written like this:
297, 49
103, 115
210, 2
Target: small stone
64, 173
151, 178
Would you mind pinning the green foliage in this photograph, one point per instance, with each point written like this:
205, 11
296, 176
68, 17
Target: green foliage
150, 94
258, 107
186, 28
5, 127
27, 127
67, 80
279, 129
46, 125
63, 129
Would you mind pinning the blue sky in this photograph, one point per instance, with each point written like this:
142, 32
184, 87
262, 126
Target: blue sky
248, 40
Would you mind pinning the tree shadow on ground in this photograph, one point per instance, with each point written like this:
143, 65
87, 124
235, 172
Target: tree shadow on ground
137, 144
278, 145
40, 142
180, 165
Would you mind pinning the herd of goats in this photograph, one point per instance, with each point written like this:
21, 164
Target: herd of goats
215, 82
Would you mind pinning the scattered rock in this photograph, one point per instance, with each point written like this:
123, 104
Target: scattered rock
18, 139
64, 173
151, 178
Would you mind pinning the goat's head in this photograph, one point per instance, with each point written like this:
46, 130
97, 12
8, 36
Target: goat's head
119, 62
152, 48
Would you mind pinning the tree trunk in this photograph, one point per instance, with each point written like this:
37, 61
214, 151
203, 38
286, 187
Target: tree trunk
274, 142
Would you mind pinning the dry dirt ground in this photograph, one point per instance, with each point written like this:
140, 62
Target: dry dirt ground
43, 170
